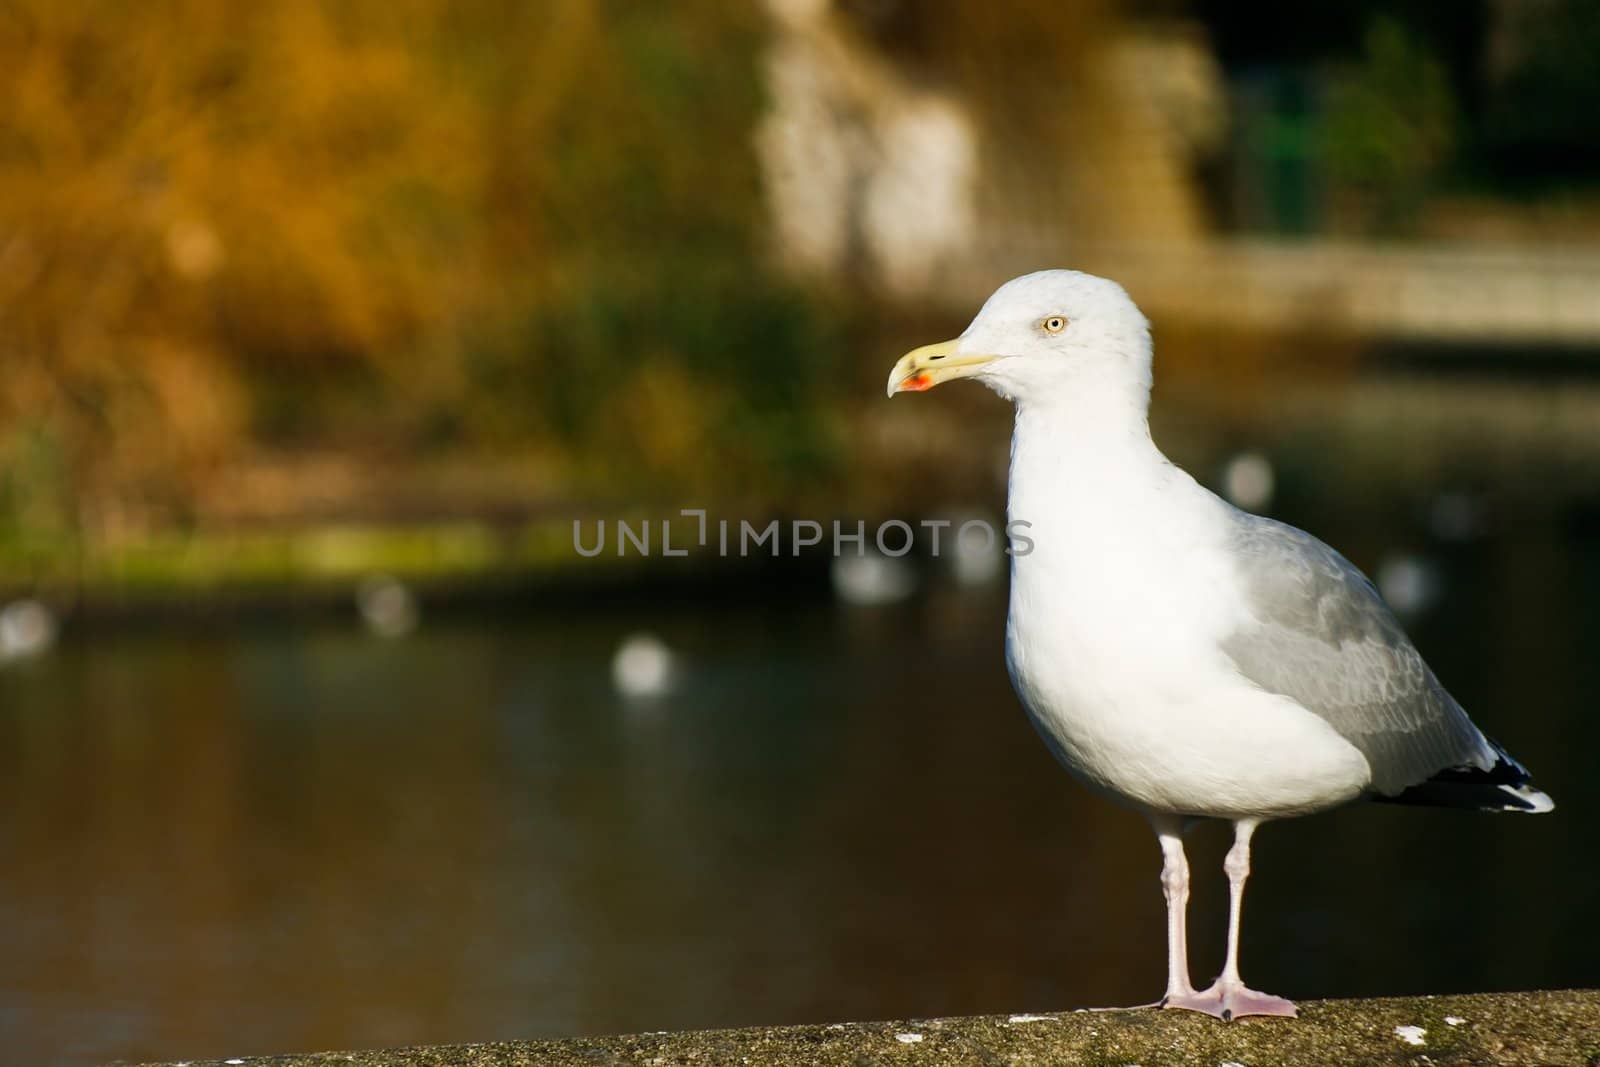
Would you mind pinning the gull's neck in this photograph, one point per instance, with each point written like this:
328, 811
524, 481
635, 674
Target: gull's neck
1097, 439
1083, 467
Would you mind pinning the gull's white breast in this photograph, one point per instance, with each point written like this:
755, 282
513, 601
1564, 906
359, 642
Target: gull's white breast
1113, 641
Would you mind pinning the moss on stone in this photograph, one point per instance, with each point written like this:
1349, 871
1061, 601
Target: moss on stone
1551, 1027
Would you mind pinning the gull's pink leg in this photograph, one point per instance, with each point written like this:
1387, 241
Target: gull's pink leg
1229, 991
1175, 886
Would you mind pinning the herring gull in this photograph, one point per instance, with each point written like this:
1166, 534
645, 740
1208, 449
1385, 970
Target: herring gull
1178, 655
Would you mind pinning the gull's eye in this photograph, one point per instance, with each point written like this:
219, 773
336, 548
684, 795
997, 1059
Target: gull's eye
1054, 324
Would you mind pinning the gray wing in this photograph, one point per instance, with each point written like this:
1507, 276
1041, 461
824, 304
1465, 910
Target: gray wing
1324, 638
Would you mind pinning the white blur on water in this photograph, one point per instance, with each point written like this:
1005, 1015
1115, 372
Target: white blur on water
977, 557
643, 667
1458, 516
1408, 582
387, 606
1248, 481
872, 578
27, 629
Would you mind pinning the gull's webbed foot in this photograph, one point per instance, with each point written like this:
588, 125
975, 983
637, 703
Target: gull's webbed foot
1231, 1000
1208, 1002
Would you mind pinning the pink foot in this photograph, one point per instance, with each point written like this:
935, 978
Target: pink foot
1208, 1002
1231, 1001
1237, 1002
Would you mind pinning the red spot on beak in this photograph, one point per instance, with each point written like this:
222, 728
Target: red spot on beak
917, 383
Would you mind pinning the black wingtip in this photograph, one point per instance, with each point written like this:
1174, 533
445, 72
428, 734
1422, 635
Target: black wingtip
1506, 786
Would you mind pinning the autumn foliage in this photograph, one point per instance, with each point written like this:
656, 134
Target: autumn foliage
383, 224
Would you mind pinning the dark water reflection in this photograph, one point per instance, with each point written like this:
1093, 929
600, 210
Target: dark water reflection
229, 843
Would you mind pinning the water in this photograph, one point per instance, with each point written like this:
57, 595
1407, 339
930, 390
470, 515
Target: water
232, 842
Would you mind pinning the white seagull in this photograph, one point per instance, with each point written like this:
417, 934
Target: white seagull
1178, 655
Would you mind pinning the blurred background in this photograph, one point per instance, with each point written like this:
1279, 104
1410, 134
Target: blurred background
320, 323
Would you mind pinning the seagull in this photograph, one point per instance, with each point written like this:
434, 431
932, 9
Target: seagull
1178, 655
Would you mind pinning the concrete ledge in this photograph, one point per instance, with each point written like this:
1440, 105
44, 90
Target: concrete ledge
1559, 1027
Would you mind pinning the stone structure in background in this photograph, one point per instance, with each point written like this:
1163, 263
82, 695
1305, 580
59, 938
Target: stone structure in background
895, 155
886, 165
864, 169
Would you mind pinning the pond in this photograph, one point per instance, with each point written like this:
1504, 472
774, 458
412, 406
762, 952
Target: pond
244, 839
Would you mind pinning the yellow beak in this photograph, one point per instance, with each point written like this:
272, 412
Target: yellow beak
923, 368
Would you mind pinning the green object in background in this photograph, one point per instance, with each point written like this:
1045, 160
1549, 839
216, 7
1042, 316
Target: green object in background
1344, 148
1290, 157
1391, 126
1278, 177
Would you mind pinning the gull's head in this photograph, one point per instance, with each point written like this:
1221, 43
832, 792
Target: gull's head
1047, 334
